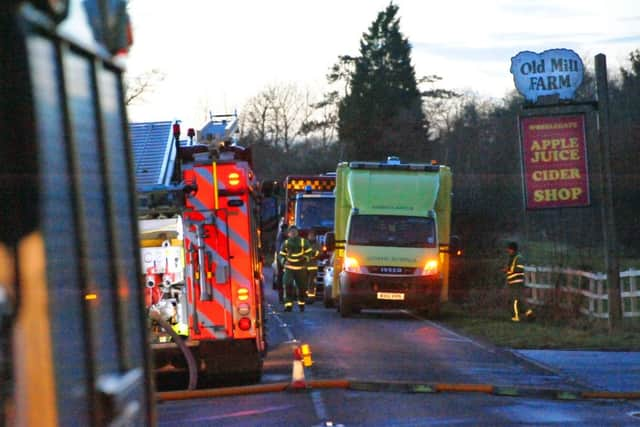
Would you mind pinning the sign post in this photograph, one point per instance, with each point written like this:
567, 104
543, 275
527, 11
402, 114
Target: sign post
608, 215
554, 145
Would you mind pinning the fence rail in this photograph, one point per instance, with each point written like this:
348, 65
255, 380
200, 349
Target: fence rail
583, 290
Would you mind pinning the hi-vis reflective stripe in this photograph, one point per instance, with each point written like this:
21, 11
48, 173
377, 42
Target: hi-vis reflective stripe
302, 250
206, 176
218, 259
514, 265
515, 280
327, 184
215, 186
208, 325
233, 235
221, 226
294, 267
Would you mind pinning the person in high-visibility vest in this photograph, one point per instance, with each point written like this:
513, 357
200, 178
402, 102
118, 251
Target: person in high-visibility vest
514, 275
294, 255
312, 266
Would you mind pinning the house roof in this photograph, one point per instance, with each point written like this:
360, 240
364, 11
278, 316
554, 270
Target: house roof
153, 151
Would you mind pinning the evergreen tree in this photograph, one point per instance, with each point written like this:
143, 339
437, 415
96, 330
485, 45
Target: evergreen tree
382, 112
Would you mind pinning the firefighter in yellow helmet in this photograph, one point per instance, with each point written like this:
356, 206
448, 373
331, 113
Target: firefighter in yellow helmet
514, 275
294, 256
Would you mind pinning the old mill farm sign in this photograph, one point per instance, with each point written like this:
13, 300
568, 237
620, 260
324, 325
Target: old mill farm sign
552, 72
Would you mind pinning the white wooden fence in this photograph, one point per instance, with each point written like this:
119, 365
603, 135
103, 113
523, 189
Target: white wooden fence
585, 290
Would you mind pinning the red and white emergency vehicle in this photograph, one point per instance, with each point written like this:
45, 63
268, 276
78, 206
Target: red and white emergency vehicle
309, 205
203, 274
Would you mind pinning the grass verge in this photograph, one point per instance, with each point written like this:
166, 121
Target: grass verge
543, 333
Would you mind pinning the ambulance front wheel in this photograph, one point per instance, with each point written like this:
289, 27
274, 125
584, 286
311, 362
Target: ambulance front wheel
326, 299
432, 311
345, 307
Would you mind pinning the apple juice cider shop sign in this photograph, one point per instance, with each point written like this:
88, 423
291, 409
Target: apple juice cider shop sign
555, 161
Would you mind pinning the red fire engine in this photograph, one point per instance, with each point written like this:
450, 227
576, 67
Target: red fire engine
200, 252
223, 268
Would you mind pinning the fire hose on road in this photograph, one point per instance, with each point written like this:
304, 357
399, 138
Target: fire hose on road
188, 355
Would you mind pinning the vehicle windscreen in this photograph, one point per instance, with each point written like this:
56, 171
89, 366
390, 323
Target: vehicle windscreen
392, 230
315, 212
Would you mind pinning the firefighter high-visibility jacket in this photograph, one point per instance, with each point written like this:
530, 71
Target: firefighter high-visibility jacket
515, 270
295, 253
313, 256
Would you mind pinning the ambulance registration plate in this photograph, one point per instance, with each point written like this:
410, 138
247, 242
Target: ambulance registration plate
391, 296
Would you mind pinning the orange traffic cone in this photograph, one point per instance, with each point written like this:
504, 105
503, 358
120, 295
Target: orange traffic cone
297, 373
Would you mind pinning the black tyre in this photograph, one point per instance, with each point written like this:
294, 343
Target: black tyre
434, 310
345, 307
327, 300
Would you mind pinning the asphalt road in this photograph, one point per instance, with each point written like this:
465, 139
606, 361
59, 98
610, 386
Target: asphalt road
392, 348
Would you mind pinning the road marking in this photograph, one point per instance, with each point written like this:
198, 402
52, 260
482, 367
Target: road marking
456, 339
318, 405
316, 396
237, 414
285, 326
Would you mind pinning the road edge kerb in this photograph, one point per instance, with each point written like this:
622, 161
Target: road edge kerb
513, 353
586, 390
556, 371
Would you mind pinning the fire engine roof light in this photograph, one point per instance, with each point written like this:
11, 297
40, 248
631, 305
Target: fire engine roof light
308, 189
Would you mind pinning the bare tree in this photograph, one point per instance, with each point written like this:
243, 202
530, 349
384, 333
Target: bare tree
276, 115
323, 124
138, 86
255, 119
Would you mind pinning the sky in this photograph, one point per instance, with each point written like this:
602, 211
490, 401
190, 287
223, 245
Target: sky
215, 55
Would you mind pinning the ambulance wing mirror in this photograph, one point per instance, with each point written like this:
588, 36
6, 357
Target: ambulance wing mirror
455, 246
330, 241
